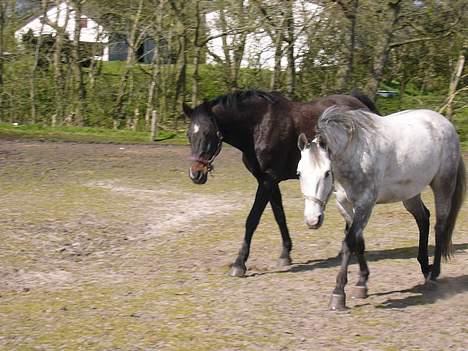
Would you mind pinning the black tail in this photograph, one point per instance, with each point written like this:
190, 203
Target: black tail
365, 100
457, 201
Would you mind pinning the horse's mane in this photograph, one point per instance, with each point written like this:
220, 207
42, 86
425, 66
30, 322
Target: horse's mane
354, 123
234, 100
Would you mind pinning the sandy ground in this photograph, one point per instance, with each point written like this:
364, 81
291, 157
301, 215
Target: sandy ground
108, 247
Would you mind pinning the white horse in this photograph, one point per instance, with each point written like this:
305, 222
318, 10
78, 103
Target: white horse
372, 160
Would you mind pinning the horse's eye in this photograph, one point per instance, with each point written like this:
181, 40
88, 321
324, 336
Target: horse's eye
298, 173
327, 174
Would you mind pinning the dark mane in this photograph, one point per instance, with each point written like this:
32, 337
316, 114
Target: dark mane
236, 99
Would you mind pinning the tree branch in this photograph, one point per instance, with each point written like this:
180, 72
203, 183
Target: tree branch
417, 40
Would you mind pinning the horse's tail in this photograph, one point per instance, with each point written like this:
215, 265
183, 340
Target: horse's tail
365, 100
457, 202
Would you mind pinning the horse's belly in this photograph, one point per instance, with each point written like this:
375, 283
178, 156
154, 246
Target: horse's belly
400, 191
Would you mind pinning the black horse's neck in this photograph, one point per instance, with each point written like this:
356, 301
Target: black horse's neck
238, 114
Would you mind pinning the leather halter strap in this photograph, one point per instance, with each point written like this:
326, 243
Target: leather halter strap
208, 163
316, 200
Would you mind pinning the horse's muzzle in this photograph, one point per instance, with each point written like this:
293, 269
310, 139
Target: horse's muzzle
198, 176
316, 223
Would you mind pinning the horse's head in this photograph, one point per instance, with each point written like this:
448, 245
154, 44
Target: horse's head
205, 140
314, 171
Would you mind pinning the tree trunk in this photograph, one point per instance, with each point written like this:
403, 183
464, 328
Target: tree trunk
77, 90
345, 79
239, 44
275, 81
383, 51
125, 85
59, 78
181, 77
154, 126
291, 70
455, 79
34, 67
155, 67
197, 55
152, 89
3, 10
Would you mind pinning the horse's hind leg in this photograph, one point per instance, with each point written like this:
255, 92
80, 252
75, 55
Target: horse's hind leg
443, 203
421, 214
360, 290
278, 211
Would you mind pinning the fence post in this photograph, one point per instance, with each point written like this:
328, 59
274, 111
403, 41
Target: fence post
154, 125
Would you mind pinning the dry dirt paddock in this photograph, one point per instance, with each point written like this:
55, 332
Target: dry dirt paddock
109, 247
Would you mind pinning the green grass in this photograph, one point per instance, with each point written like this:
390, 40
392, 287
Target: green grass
85, 134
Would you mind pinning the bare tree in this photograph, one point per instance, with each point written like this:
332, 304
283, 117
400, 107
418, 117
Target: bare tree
77, 91
290, 40
59, 75
345, 74
233, 17
134, 39
157, 32
34, 68
453, 90
3, 18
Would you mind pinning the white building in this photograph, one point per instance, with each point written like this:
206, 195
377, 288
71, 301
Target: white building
64, 16
259, 49
112, 46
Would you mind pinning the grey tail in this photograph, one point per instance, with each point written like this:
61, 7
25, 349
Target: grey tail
457, 202
366, 101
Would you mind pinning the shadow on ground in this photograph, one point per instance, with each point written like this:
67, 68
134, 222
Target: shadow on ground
376, 255
427, 293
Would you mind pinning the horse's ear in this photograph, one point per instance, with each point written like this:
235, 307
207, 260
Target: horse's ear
320, 142
187, 109
302, 141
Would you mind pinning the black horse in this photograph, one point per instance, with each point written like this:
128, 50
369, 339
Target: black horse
265, 127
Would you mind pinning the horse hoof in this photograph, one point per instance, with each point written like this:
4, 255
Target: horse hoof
284, 262
237, 271
359, 292
431, 280
337, 302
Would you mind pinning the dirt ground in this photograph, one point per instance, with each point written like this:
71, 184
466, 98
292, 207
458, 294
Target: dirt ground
110, 247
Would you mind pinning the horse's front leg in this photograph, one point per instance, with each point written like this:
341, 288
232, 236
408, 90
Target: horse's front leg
352, 243
278, 211
262, 197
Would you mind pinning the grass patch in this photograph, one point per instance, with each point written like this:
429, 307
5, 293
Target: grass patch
85, 135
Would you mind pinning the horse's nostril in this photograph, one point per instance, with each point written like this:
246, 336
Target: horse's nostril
198, 177
194, 175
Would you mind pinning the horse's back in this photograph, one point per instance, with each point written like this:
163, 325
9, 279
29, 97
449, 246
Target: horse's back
419, 128
416, 145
